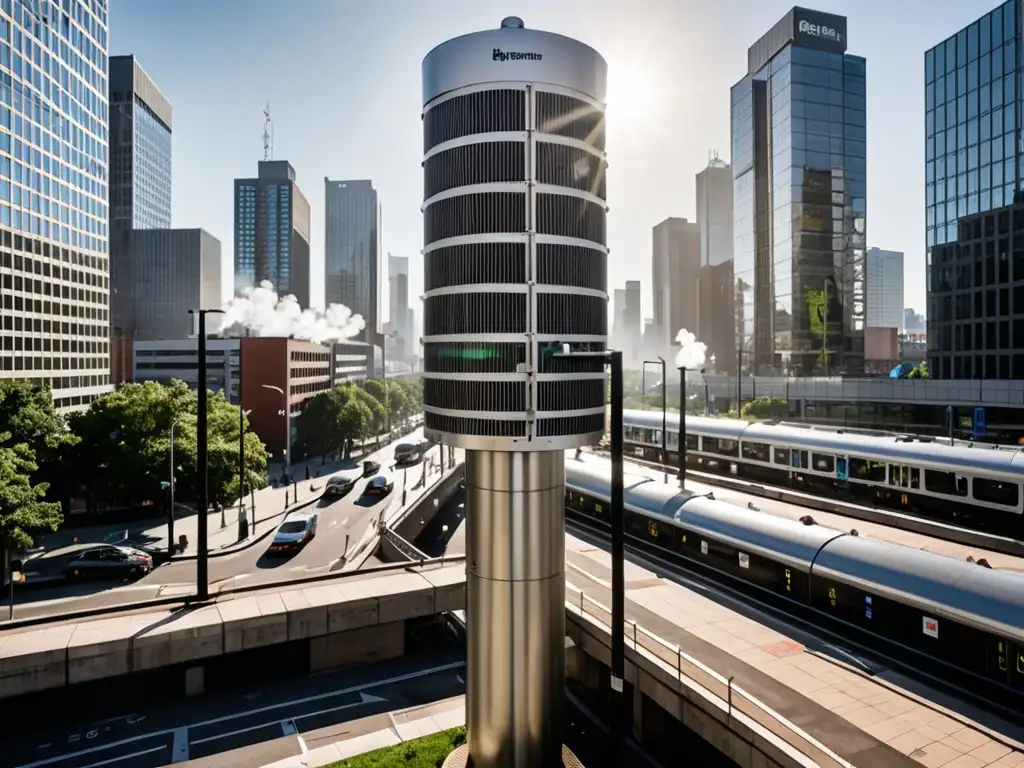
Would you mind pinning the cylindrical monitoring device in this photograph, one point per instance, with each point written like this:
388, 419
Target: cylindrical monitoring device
515, 250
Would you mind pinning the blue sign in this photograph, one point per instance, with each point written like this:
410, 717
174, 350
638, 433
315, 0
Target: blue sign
980, 425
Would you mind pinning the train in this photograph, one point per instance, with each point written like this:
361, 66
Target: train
943, 612
974, 486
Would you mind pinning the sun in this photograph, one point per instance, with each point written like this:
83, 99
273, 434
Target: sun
633, 94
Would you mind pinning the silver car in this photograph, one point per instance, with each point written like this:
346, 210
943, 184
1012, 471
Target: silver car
108, 561
295, 532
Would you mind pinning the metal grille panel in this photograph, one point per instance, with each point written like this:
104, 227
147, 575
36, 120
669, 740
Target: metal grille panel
473, 113
452, 395
473, 357
572, 265
567, 216
570, 425
572, 315
484, 213
476, 427
476, 313
571, 167
475, 263
496, 161
573, 118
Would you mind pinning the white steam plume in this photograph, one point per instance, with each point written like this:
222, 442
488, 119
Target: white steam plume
692, 353
262, 312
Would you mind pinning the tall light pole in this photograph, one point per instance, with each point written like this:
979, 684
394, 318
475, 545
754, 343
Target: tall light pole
287, 426
691, 355
202, 460
170, 512
664, 407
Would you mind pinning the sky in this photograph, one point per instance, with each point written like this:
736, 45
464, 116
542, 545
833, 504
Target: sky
342, 78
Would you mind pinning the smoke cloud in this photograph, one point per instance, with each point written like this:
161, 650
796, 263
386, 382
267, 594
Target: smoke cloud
261, 312
692, 353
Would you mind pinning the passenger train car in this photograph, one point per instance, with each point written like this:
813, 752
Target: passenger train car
978, 487
953, 613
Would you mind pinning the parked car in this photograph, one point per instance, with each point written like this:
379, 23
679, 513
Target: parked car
123, 539
339, 485
381, 485
108, 561
370, 467
297, 530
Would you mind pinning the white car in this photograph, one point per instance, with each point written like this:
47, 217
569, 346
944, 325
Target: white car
295, 532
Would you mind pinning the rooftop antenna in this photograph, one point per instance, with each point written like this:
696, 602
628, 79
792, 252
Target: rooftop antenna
268, 134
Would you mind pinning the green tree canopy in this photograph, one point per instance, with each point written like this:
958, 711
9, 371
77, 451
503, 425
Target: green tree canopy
356, 419
124, 446
27, 413
766, 408
23, 513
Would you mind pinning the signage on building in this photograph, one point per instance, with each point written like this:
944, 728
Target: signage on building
499, 55
819, 30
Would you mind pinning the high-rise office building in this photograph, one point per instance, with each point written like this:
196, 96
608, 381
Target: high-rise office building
885, 289
799, 211
398, 305
675, 274
617, 335
353, 258
632, 320
716, 321
54, 119
272, 229
973, 212
140, 189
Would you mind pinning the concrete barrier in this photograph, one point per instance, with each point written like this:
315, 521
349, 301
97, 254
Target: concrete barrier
325, 615
409, 523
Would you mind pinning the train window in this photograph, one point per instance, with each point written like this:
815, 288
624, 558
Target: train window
995, 492
867, 470
823, 463
946, 483
801, 459
756, 451
691, 442
673, 441
721, 446
782, 456
915, 477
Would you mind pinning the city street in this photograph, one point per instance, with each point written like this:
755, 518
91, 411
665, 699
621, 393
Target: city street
250, 726
342, 522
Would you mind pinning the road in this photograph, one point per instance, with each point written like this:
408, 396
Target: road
342, 521
247, 727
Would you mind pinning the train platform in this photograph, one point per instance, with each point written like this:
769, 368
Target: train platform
866, 714
795, 511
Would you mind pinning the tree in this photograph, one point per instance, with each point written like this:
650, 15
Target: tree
378, 390
766, 408
319, 424
399, 401
123, 450
23, 513
377, 418
27, 413
920, 371
355, 421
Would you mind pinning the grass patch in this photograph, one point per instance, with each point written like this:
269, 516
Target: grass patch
426, 752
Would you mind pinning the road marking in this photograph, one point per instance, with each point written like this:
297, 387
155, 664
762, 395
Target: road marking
179, 752
364, 698
119, 758
318, 697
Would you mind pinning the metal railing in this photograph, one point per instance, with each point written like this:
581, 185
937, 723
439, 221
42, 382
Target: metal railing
738, 702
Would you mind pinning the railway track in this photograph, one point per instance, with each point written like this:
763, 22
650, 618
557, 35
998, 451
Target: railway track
847, 640
905, 522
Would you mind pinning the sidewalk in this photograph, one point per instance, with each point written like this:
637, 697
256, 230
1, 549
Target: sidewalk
407, 724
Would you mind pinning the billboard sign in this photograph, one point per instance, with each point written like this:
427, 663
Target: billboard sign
815, 29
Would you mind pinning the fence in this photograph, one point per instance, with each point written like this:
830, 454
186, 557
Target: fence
738, 701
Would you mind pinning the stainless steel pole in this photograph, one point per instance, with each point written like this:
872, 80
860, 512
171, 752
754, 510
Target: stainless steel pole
515, 608
170, 512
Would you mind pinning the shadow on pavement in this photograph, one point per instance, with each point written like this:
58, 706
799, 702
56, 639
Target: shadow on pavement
367, 501
272, 560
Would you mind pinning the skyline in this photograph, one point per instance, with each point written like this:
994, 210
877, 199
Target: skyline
365, 125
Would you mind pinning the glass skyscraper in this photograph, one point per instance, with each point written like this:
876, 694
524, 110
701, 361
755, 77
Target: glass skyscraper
53, 196
973, 209
800, 172
272, 231
353, 256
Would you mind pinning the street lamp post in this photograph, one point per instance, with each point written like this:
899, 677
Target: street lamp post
618, 549
170, 512
691, 355
287, 427
202, 460
664, 407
